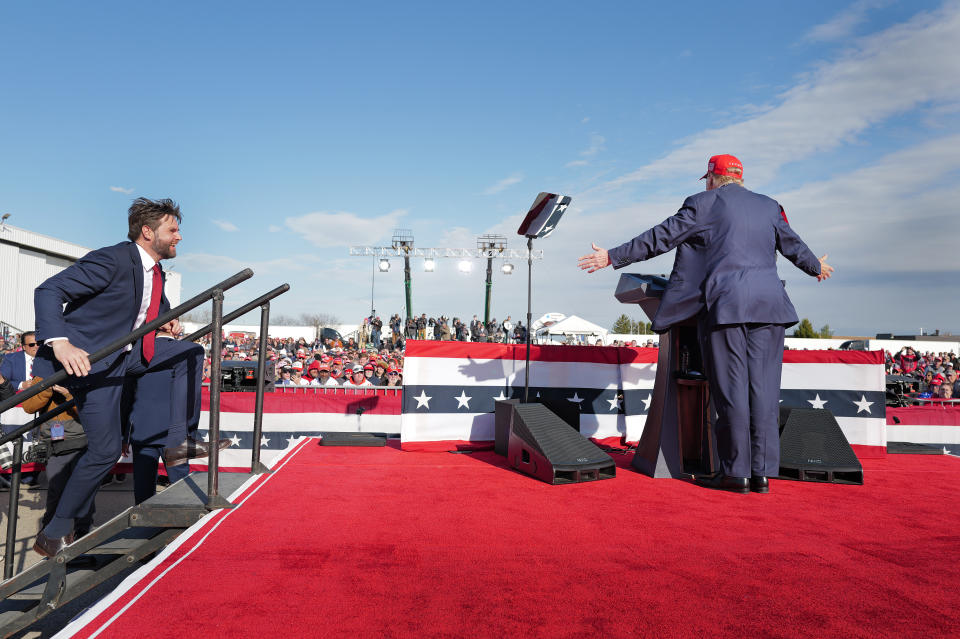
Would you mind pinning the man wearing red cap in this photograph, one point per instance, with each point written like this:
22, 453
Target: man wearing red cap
725, 276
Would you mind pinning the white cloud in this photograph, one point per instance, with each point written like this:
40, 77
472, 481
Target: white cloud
843, 24
596, 145
341, 229
273, 228
503, 184
223, 225
585, 120
120, 189
227, 265
894, 207
887, 74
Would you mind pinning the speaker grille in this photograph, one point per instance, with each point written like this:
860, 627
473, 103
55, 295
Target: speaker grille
811, 437
542, 430
814, 448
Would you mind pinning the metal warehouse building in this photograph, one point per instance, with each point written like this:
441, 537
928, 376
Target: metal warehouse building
26, 260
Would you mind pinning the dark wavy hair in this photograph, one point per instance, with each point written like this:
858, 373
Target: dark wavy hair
146, 212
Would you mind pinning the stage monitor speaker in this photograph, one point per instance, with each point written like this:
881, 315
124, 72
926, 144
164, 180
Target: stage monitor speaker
238, 376
503, 418
328, 438
544, 446
813, 448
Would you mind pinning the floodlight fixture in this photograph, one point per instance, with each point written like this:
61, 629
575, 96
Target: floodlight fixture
492, 242
402, 240
465, 266
429, 264
384, 265
507, 268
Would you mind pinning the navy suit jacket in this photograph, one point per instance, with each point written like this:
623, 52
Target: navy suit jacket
727, 241
102, 292
13, 368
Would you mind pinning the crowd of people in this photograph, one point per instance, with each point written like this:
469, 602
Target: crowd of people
932, 375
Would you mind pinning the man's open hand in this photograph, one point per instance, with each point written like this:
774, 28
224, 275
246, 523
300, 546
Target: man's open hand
594, 261
825, 269
75, 360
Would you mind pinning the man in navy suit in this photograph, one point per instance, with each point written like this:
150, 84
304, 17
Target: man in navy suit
151, 412
725, 275
17, 367
97, 300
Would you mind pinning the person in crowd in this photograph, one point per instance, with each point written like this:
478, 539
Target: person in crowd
17, 368
368, 371
422, 326
520, 333
357, 377
336, 370
393, 377
65, 441
323, 376
376, 328
296, 375
507, 327
286, 374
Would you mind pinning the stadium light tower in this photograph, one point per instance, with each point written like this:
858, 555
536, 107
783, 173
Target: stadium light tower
403, 244
491, 246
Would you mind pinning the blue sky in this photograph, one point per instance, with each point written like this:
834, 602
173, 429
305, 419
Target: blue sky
291, 131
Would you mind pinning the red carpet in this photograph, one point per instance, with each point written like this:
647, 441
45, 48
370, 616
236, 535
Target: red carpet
376, 542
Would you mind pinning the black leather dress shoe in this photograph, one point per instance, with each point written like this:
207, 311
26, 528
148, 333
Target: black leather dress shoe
724, 482
50, 546
759, 484
190, 449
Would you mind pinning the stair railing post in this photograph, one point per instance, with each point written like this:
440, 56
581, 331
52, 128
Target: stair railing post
255, 466
13, 510
214, 499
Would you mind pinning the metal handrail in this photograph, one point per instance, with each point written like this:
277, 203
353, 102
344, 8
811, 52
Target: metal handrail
130, 338
216, 294
243, 310
217, 325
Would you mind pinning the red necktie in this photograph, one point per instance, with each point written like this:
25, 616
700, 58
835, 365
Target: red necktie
152, 312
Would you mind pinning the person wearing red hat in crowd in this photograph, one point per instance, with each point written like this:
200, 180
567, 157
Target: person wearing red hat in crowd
725, 276
380, 370
368, 373
393, 377
313, 373
323, 376
357, 377
336, 369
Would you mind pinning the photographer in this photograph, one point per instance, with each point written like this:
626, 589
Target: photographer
63, 439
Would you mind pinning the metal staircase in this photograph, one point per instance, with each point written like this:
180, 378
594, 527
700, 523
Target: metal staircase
141, 531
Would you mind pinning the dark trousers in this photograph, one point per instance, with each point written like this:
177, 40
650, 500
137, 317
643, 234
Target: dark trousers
146, 462
100, 398
59, 469
743, 362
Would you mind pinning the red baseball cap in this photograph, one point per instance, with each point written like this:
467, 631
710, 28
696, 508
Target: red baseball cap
724, 165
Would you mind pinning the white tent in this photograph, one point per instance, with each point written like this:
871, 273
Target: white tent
575, 330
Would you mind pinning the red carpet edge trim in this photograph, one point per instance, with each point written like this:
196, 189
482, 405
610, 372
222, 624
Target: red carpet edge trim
112, 600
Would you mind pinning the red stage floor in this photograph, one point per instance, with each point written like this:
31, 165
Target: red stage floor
375, 542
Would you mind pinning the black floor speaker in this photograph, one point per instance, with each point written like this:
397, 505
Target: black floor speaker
813, 448
541, 444
328, 438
